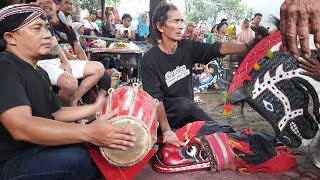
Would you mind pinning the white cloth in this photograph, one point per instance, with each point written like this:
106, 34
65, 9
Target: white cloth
90, 25
122, 29
52, 67
64, 19
75, 27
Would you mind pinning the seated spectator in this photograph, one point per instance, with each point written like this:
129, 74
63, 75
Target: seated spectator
65, 10
126, 30
90, 21
142, 31
78, 28
75, 64
108, 26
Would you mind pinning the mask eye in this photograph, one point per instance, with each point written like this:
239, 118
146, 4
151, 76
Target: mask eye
191, 151
268, 105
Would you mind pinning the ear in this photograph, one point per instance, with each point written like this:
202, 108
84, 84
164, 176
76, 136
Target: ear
159, 27
9, 38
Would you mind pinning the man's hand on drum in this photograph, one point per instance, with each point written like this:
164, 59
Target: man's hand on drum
295, 17
170, 137
102, 133
311, 67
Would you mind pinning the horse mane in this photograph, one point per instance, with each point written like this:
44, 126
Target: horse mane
275, 21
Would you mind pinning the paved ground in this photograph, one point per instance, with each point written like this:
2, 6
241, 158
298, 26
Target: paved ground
212, 103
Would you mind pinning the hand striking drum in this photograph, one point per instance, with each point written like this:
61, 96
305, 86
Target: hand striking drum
136, 110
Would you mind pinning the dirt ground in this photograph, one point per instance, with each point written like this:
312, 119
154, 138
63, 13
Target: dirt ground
212, 103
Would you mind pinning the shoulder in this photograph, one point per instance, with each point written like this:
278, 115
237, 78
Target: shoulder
132, 27
188, 43
7, 67
151, 56
152, 51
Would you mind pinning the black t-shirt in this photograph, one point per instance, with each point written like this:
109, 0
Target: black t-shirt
108, 33
22, 85
165, 75
64, 33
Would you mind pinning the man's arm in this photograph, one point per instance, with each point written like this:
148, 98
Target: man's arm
71, 114
232, 48
79, 51
64, 60
24, 127
169, 136
162, 117
68, 55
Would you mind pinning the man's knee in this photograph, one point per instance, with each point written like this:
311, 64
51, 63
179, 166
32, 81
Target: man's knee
95, 68
180, 104
68, 83
77, 159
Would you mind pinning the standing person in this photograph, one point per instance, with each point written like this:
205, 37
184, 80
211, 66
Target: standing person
256, 20
221, 35
142, 31
65, 10
212, 32
231, 31
167, 72
246, 34
224, 20
37, 138
189, 32
255, 25
126, 30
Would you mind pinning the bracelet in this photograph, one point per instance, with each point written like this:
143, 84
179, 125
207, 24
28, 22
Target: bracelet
55, 49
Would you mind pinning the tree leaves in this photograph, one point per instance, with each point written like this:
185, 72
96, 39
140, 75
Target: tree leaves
211, 11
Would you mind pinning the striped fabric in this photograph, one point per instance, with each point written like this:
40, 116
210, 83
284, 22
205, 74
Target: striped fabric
218, 151
21, 9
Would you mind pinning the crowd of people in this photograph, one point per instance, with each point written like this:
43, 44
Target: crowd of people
40, 47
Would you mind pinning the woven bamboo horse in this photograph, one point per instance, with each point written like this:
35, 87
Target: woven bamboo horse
278, 91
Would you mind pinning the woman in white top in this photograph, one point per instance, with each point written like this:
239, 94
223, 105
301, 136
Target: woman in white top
126, 29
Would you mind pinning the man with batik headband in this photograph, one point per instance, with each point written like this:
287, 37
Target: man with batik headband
37, 140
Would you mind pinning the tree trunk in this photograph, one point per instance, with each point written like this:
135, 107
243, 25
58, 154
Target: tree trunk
154, 4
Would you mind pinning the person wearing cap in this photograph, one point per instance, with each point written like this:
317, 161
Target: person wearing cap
65, 10
37, 140
90, 21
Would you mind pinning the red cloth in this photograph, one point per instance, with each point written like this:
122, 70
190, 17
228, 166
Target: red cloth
189, 130
282, 162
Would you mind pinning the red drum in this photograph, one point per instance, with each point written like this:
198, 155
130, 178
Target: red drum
136, 110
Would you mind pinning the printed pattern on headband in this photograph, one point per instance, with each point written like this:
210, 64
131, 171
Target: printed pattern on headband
20, 9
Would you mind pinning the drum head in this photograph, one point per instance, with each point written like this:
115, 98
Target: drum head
133, 154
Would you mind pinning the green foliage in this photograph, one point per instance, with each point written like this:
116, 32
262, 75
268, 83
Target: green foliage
96, 4
211, 11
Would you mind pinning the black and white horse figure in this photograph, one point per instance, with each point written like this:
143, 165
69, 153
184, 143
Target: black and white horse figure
282, 96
